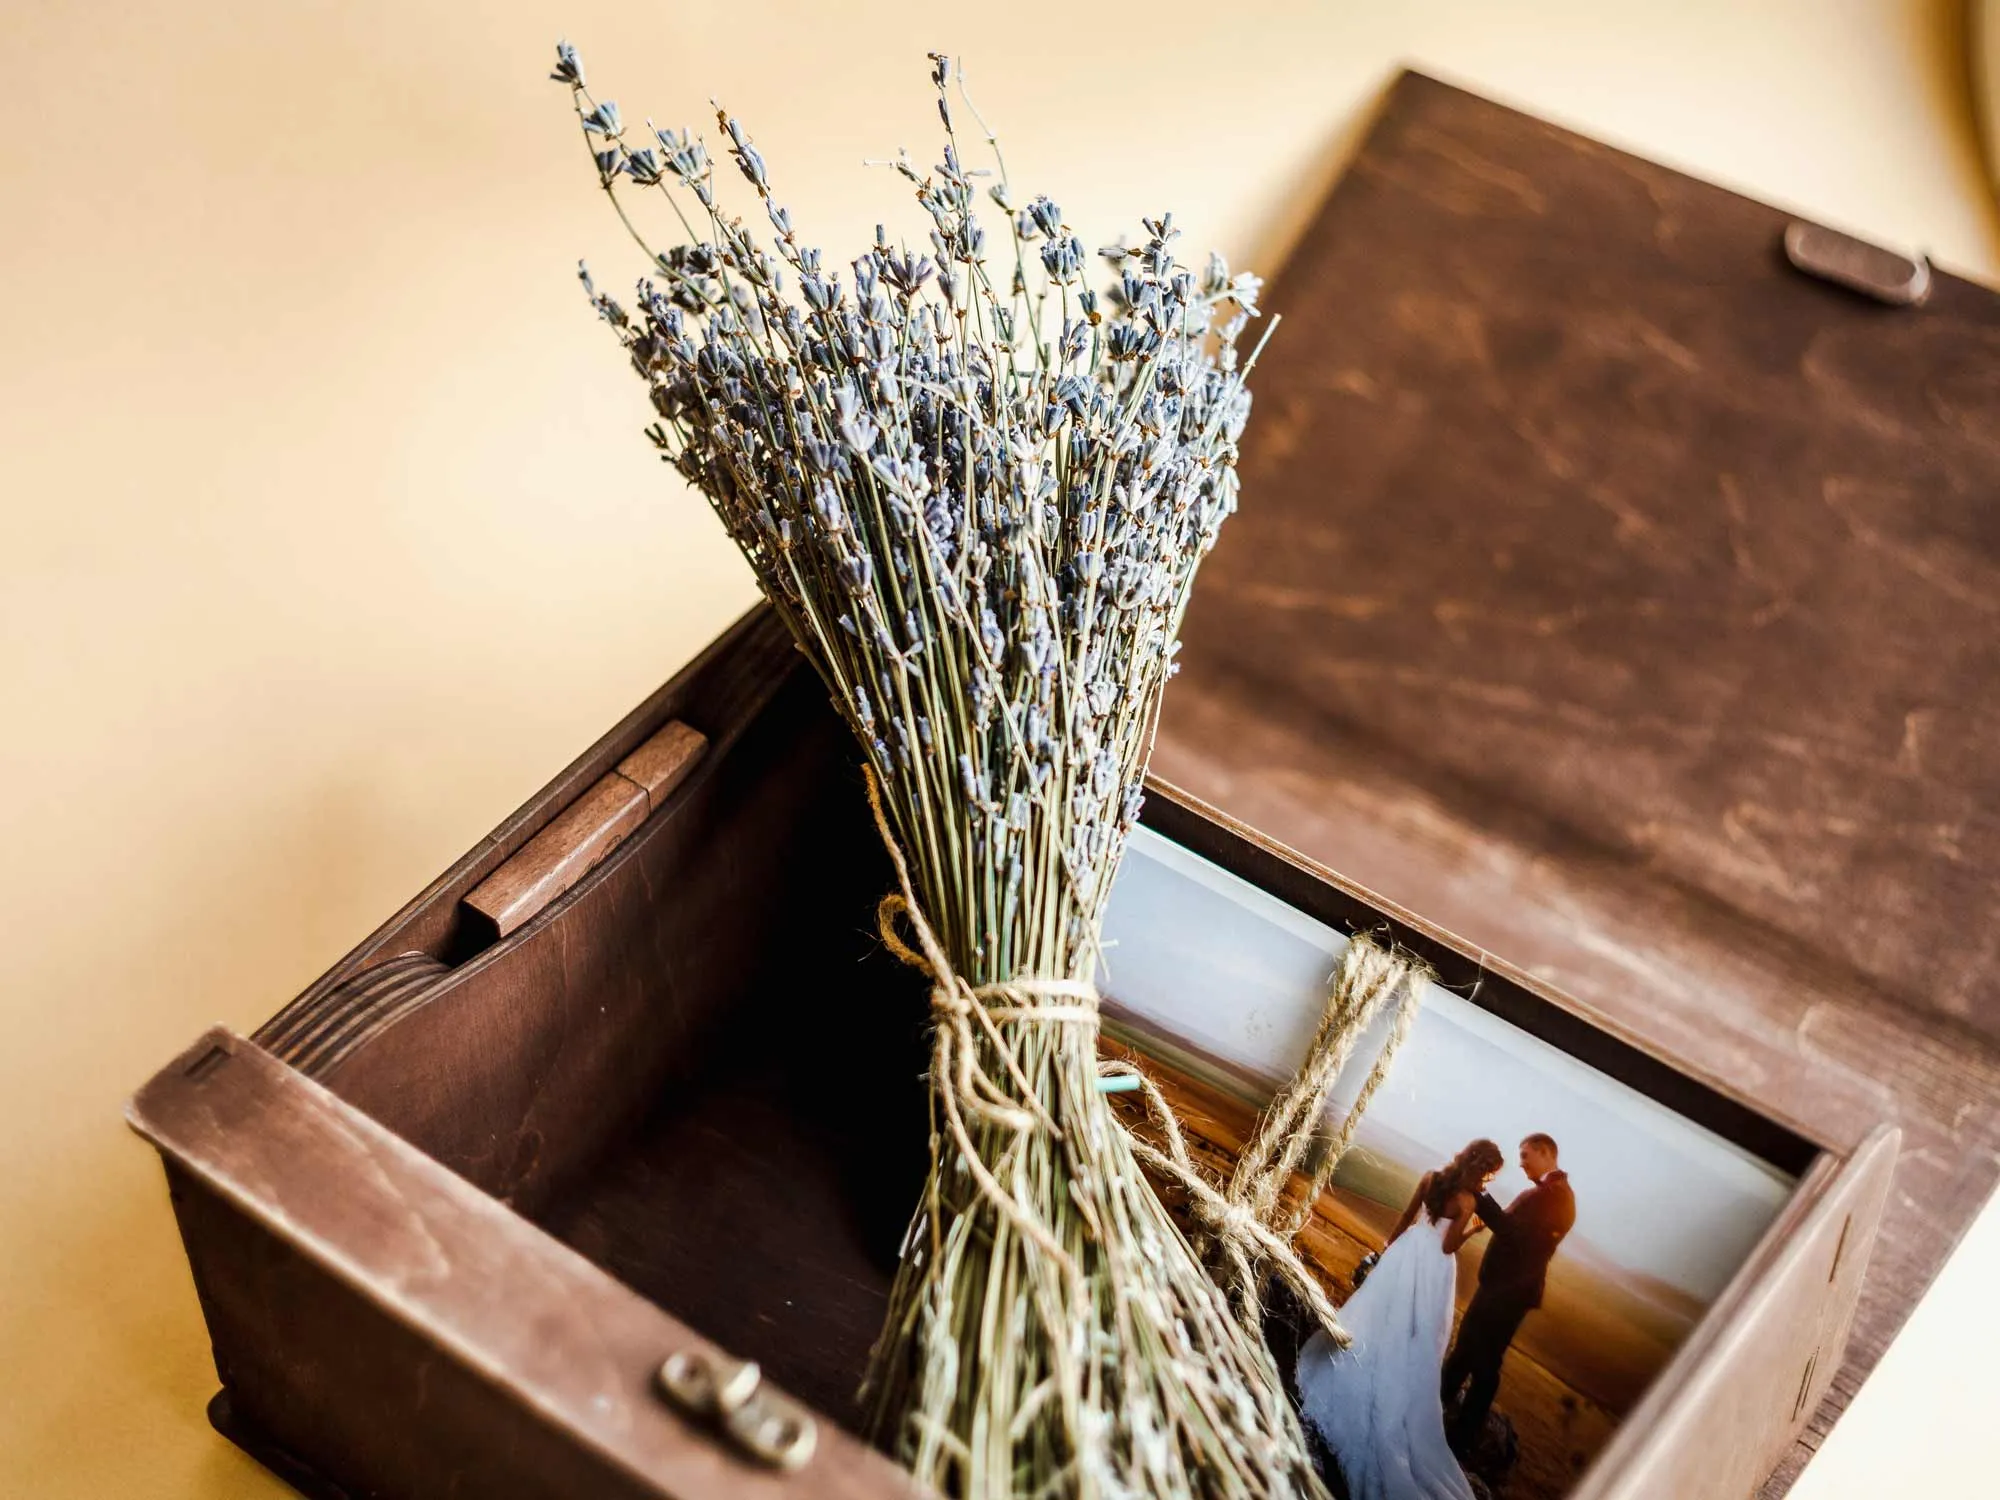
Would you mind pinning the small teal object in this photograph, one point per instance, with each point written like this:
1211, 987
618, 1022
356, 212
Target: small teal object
1119, 1083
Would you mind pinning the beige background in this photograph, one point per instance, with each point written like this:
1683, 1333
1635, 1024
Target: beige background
326, 532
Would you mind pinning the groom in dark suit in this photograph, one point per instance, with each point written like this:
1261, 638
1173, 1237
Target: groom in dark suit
1511, 1280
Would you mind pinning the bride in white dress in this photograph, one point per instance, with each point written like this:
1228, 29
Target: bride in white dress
1376, 1403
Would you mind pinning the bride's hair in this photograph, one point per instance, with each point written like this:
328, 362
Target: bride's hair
1461, 1174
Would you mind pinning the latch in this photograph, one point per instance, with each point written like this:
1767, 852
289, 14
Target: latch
1857, 265
730, 1396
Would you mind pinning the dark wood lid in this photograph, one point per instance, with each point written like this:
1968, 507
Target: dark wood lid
1617, 596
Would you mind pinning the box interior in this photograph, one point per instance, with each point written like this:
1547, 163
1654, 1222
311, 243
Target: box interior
698, 1068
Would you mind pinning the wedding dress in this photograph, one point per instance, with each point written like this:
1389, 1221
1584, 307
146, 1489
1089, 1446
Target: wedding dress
1376, 1403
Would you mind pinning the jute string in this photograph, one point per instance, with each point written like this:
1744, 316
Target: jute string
1243, 1225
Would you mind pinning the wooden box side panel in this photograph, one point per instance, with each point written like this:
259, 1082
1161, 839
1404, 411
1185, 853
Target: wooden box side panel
408, 1336
1740, 1393
361, 1401
518, 1068
519, 1061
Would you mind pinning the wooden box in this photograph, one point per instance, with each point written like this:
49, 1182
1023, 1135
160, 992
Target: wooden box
449, 1210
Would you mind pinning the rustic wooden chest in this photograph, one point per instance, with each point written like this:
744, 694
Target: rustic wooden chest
597, 1099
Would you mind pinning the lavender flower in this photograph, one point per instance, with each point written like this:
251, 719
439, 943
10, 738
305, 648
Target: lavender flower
977, 493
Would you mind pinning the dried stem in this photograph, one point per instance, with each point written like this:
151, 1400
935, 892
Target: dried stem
982, 523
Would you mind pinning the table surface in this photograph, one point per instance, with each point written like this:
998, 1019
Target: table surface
327, 534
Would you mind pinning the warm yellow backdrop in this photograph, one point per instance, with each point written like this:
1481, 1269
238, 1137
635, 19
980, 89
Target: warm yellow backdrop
326, 532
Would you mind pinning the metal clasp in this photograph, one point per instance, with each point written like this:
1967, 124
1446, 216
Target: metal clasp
730, 1395
1857, 265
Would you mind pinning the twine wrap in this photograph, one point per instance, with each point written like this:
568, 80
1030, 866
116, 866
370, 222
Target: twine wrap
960, 1085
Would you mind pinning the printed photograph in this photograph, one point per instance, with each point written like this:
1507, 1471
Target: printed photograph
1517, 1243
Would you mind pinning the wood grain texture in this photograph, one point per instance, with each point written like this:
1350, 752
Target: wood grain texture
413, 1335
1629, 603
561, 854
663, 762
585, 832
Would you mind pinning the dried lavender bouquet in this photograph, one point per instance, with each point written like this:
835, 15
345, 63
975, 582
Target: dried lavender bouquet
977, 495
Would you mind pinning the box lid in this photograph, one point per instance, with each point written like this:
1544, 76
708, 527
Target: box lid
1627, 601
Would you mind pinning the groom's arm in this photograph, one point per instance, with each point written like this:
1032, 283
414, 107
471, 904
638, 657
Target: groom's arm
1540, 1213
1520, 1216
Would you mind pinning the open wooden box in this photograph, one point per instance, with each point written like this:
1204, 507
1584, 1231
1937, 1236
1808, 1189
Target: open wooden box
449, 1210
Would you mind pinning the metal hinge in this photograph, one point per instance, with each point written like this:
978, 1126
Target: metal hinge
730, 1396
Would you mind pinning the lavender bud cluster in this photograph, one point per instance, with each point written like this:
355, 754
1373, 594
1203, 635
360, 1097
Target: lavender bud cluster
975, 487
